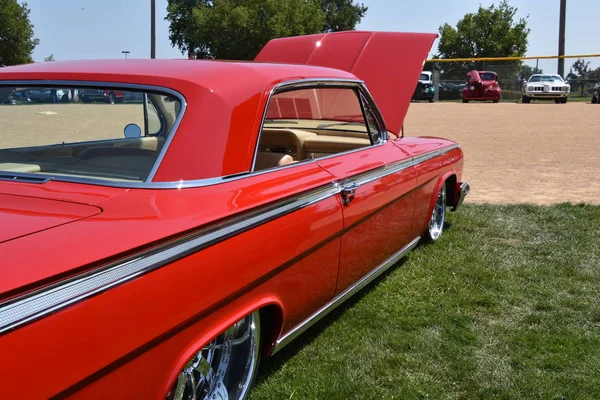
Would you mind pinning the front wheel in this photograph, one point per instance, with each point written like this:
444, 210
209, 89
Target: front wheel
526, 99
594, 99
224, 368
438, 216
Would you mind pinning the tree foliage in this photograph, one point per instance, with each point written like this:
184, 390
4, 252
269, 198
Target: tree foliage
49, 58
17, 39
579, 73
527, 71
490, 32
238, 29
342, 15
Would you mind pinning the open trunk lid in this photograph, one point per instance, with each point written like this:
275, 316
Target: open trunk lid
389, 63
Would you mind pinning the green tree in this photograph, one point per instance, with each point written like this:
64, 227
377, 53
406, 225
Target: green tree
490, 32
342, 15
238, 29
527, 71
49, 58
579, 73
16, 33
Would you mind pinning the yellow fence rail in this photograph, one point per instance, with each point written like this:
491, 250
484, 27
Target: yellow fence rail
442, 60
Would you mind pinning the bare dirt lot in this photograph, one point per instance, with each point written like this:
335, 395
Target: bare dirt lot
539, 153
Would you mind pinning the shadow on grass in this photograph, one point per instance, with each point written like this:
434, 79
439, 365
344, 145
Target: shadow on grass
269, 365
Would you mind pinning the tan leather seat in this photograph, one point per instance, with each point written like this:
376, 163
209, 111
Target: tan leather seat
265, 159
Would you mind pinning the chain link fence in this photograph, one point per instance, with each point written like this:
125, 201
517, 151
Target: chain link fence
512, 76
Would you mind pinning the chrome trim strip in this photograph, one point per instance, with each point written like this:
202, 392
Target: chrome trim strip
434, 153
77, 84
397, 166
343, 296
19, 311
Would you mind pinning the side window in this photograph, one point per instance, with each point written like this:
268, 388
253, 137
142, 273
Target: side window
307, 123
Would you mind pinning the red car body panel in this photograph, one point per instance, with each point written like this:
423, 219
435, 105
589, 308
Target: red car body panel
479, 89
145, 329
389, 75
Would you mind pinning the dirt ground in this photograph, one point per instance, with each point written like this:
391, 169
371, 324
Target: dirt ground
541, 153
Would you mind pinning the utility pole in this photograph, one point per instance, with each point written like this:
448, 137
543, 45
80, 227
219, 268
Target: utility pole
152, 29
125, 52
561, 37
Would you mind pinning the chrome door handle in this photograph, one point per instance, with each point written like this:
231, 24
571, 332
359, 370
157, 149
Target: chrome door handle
347, 192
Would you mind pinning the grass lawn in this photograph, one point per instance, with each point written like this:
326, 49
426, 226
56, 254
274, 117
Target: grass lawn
506, 305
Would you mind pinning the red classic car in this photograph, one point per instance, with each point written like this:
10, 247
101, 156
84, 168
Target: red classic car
481, 86
159, 249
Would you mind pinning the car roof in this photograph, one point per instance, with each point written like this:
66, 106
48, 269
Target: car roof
223, 102
161, 71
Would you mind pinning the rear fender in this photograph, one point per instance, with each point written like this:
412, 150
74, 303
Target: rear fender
451, 190
222, 319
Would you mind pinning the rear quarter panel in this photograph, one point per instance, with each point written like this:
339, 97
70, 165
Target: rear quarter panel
445, 164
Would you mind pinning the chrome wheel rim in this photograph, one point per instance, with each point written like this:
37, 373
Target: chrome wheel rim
224, 368
436, 223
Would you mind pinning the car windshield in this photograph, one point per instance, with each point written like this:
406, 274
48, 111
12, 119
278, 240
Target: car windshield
487, 76
75, 133
545, 78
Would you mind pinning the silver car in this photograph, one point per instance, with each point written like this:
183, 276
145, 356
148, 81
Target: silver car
546, 87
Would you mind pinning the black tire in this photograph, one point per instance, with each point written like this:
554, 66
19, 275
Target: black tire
86, 99
594, 100
111, 98
564, 100
526, 100
431, 100
465, 101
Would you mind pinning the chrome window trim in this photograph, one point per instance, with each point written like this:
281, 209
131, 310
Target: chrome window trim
319, 82
32, 306
342, 297
103, 84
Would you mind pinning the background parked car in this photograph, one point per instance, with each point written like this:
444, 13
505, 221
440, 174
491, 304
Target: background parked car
596, 93
108, 96
425, 89
481, 86
546, 87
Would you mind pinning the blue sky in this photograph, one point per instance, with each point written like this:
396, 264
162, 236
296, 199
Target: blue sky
92, 29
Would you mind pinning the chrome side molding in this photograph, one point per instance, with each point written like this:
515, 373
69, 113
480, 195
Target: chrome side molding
343, 296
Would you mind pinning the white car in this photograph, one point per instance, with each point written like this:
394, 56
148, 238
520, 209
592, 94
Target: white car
546, 87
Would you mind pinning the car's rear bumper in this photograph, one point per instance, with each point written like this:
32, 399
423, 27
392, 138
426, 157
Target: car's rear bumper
463, 191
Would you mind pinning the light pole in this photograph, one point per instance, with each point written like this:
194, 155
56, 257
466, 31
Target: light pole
152, 29
125, 52
561, 37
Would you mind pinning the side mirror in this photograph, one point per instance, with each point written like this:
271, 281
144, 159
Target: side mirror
132, 131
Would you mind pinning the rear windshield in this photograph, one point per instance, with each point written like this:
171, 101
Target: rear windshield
76, 133
424, 77
486, 76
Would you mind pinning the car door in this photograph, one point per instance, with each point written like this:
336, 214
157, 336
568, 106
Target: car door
376, 184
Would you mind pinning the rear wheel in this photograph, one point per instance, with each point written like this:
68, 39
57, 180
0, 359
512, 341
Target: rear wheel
224, 368
438, 216
465, 101
564, 100
594, 99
